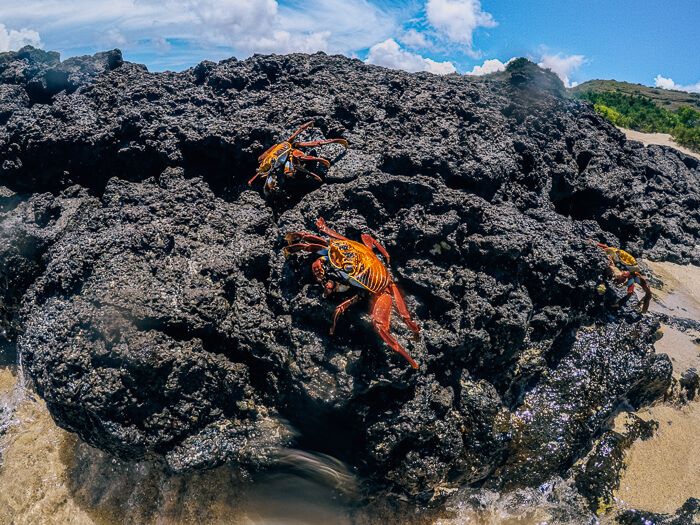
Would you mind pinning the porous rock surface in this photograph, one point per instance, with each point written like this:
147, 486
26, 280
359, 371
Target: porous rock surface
151, 303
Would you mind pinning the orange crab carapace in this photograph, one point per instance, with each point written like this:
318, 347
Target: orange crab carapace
354, 263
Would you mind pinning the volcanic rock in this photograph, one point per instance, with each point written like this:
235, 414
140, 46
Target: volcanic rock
687, 514
153, 308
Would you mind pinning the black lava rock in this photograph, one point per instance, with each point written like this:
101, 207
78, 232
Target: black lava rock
687, 514
690, 383
156, 314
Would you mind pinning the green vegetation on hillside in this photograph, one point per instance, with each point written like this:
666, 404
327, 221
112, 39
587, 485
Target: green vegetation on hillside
664, 98
644, 114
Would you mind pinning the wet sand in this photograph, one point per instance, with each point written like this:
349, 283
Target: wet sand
48, 476
680, 294
679, 297
662, 472
7, 380
662, 139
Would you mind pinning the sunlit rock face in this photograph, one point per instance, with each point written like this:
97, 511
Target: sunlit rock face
153, 308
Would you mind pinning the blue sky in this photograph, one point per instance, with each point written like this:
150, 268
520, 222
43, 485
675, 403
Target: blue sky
645, 41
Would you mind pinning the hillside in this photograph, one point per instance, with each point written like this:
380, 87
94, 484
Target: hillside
646, 109
664, 98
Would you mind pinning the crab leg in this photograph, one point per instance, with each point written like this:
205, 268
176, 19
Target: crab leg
381, 320
340, 310
304, 247
294, 237
302, 156
309, 172
323, 228
647, 294
294, 135
403, 311
321, 142
257, 174
371, 242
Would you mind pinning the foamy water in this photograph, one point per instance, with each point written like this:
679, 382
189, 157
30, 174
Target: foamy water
12, 393
553, 502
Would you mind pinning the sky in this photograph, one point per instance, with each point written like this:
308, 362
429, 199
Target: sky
645, 41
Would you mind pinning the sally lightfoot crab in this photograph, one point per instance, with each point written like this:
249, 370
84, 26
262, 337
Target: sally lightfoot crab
345, 261
285, 159
624, 270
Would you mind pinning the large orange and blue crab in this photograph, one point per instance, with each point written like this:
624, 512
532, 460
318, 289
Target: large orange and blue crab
344, 264
286, 159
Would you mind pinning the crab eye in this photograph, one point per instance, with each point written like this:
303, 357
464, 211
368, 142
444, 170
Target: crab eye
348, 267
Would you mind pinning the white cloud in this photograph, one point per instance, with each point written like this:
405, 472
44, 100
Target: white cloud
237, 15
663, 82
114, 37
562, 65
415, 39
161, 44
352, 25
282, 42
207, 28
668, 83
489, 66
12, 40
389, 54
251, 26
458, 19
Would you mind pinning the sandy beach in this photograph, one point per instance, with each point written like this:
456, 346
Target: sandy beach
662, 139
662, 472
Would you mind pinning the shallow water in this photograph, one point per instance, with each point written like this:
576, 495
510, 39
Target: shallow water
554, 502
662, 472
49, 476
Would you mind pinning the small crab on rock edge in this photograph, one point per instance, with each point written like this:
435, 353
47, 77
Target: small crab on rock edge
285, 159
